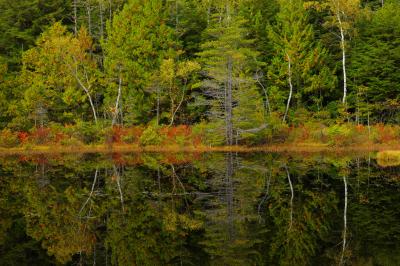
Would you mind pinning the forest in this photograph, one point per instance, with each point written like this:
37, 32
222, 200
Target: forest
199, 72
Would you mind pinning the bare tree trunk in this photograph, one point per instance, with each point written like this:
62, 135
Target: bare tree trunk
267, 105
75, 7
110, 3
382, 2
118, 179
344, 221
86, 89
176, 110
158, 105
290, 86
343, 47
101, 11
89, 18
91, 191
117, 101
291, 198
229, 194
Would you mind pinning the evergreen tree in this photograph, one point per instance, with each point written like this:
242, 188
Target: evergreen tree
298, 68
138, 39
374, 62
22, 21
229, 62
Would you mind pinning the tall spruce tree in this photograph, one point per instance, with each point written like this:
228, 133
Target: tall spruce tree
298, 69
229, 63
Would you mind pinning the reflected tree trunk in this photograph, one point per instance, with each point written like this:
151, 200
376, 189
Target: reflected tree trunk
91, 191
117, 175
342, 257
229, 190
291, 198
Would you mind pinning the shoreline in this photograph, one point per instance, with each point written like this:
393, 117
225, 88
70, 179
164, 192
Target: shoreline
125, 148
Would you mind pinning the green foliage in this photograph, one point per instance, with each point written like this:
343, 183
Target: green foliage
56, 74
150, 136
8, 139
179, 62
138, 40
22, 21
89, 133
374, 62
212, 133
294, 42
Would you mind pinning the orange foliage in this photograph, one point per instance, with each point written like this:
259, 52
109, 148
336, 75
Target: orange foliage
23, 137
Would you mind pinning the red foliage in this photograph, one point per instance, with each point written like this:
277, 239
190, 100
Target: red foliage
386, 133
360, 128
60, 136
23, 137
117, 133
41, 135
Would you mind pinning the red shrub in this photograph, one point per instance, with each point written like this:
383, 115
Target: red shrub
41, 135
117, 134
23, 137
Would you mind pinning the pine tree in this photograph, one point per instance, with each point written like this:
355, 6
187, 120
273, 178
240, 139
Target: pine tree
22, 21
298, 68
229, 61
374, 61
138, 39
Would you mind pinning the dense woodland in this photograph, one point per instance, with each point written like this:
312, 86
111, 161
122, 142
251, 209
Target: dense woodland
237, 70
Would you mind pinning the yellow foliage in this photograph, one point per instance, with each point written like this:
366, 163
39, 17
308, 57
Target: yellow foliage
388, 158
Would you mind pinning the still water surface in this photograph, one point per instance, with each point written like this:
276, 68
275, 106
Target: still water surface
199, 209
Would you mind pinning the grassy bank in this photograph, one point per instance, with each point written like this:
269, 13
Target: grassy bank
312, 137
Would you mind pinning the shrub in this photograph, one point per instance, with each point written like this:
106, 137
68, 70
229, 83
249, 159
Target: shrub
150, 136
70, 142
8, 139
41, 135
88, 132
212, 133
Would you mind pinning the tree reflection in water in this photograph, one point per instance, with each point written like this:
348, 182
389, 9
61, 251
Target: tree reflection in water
198, 209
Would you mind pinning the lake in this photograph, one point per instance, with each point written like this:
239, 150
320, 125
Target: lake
199, 209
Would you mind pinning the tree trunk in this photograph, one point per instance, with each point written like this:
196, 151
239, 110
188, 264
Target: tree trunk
101, 10
89, 18
344, 221
267, 105
75, 17
86, 90
342, 46
114, 121
158, 105
291, 198
229, 191
290, 87
176, 110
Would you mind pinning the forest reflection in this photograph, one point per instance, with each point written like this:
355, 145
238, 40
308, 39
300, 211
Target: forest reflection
199, 209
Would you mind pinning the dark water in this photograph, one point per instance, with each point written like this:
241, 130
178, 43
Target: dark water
191, 209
